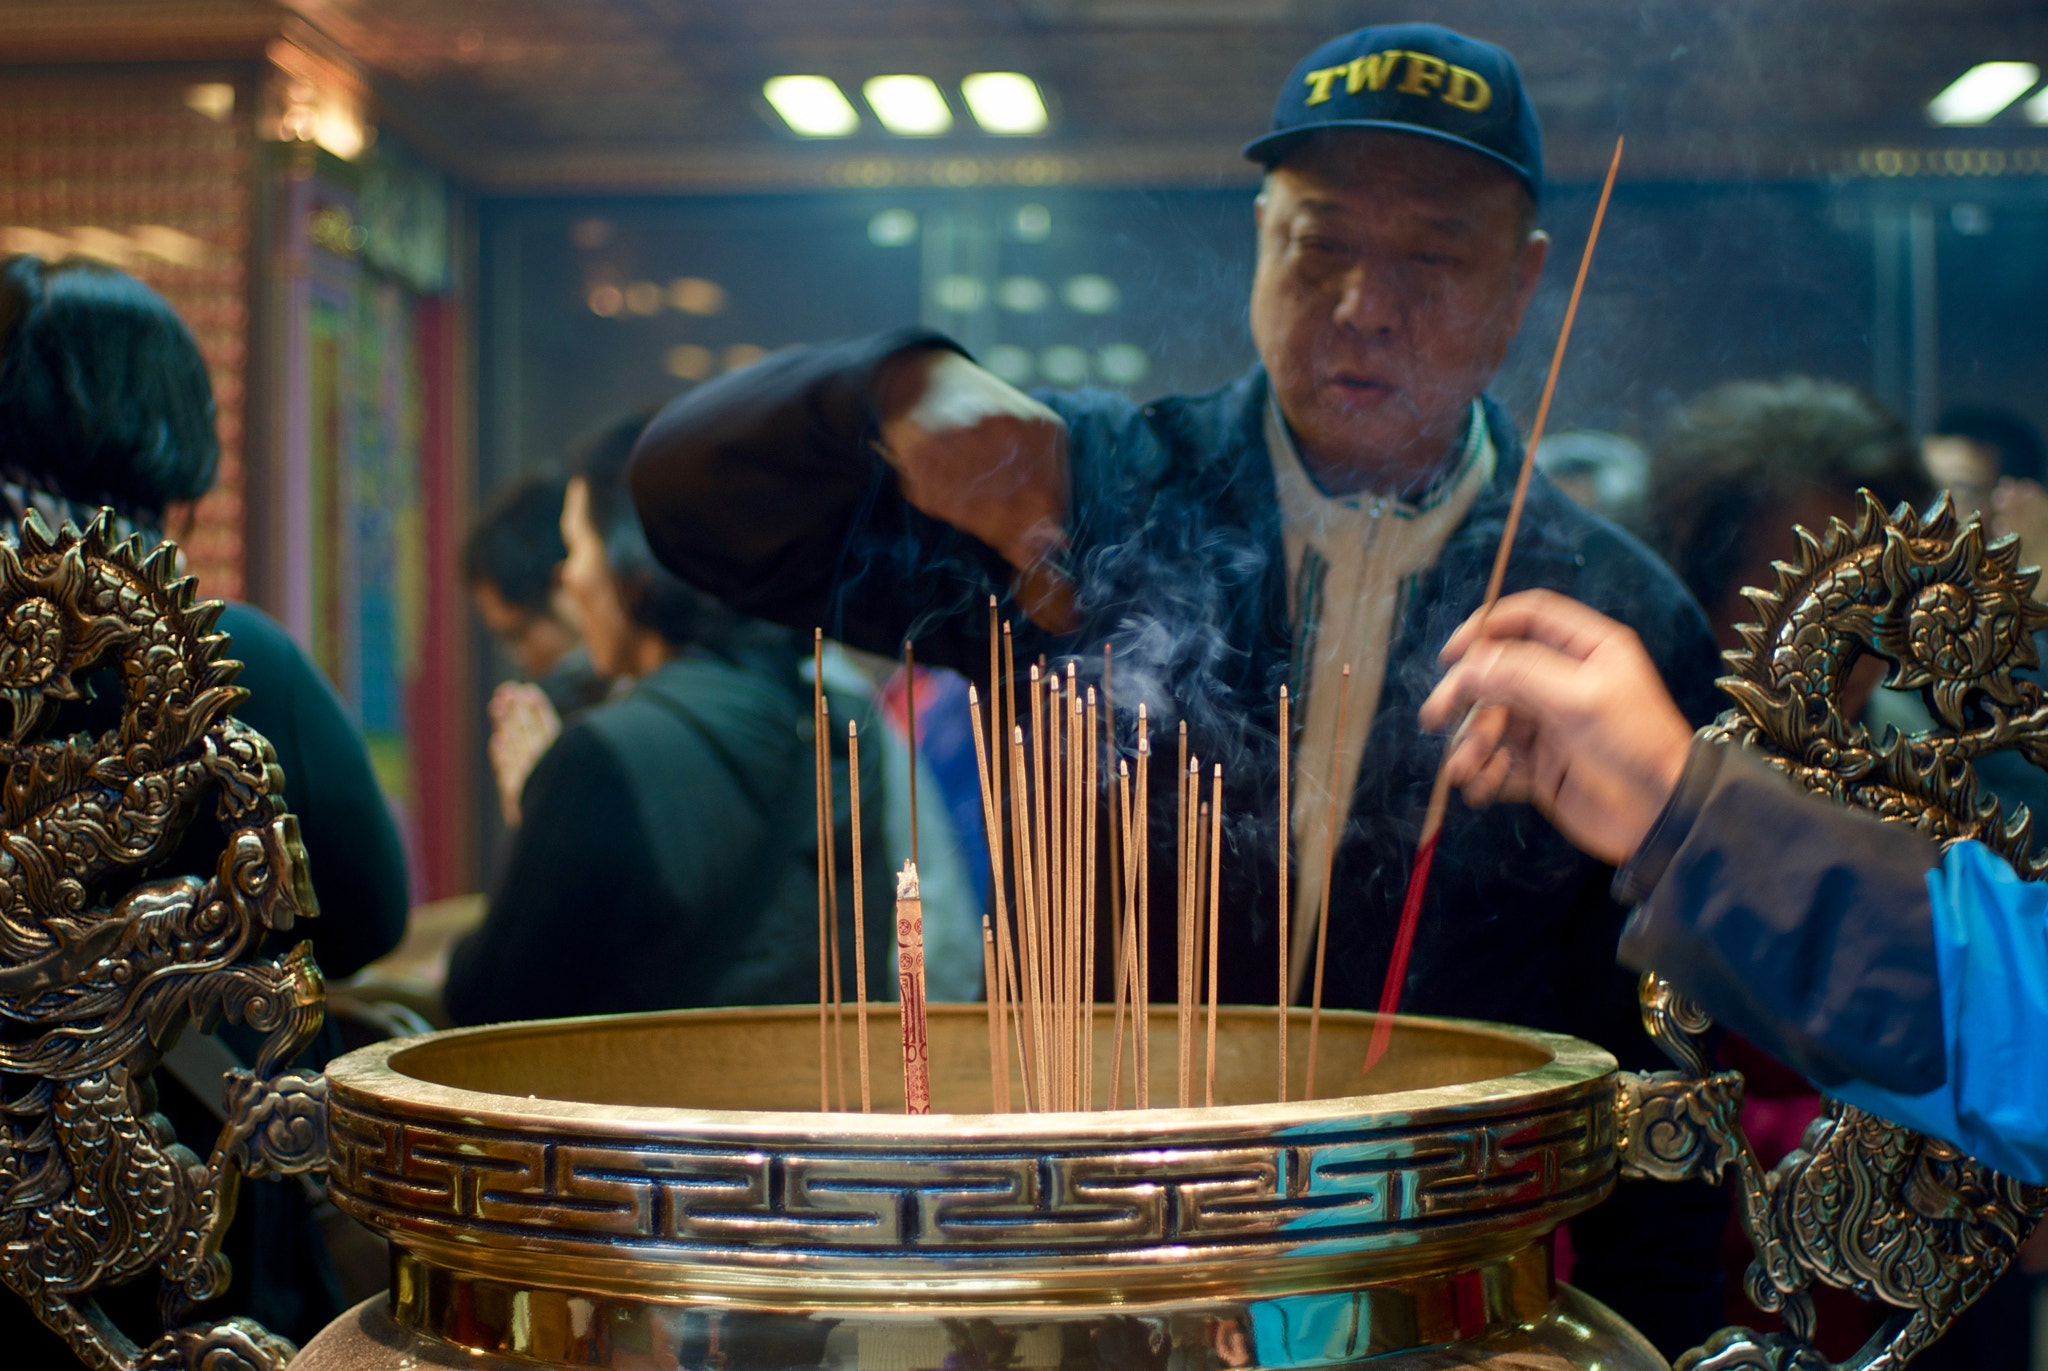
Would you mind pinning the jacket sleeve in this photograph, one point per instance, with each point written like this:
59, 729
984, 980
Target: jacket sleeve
1991, 947
764, 488
1799, 923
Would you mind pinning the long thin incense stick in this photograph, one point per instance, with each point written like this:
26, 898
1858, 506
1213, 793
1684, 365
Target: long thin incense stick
910, 734
1126, 952
995, 976
1215, 910
860, 928
1141, 911
1190, 925
821, 777
1088, 907
1028, 920
1440, 792
1118, 896
1200, 915
998, 1059
1286, 912
1339, 804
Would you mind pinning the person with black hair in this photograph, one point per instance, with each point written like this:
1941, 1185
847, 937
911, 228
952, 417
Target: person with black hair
105, 403
512, 561
667, 854
1990, 461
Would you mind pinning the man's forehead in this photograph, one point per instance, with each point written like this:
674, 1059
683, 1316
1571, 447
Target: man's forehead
1364, 168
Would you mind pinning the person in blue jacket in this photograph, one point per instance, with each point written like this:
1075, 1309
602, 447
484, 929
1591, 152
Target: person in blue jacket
1902, 979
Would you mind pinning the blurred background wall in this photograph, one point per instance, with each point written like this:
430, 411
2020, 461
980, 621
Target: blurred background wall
427, 243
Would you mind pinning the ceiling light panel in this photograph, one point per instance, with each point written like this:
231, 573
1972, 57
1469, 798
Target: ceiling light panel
2037, 108
1005, 103
812, 105
1982, 92
908, 105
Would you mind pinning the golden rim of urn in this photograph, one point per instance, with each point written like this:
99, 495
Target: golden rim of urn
681, 1157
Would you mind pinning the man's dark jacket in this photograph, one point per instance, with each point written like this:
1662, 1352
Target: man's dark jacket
766, 488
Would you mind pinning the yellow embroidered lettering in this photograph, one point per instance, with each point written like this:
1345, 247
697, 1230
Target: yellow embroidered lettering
1371, 71
1425, 74
1468, 90
1318, 83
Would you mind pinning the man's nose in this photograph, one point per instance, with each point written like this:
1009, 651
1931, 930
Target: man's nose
1369, 300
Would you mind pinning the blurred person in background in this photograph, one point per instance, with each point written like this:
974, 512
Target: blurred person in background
1742, 463
105, 402
1603, 472
511, 562
667, 857
1990, 461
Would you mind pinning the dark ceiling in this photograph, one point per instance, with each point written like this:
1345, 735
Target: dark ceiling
647, 94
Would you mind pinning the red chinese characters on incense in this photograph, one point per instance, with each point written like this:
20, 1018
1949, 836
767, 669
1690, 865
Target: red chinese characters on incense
917, 1070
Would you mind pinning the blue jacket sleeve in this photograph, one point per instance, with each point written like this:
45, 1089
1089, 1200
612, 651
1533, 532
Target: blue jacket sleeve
1991, 950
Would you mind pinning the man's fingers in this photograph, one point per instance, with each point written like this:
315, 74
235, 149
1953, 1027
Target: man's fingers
1525, 677
1542, 616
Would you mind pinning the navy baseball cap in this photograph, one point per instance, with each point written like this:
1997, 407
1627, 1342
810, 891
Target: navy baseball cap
1411, 78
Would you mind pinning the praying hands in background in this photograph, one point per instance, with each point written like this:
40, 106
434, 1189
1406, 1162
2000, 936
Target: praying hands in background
523, 727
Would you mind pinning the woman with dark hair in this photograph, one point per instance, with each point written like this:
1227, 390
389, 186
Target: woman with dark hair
105, 403
667, 854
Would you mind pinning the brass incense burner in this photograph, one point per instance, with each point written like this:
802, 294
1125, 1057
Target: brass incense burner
658, 1191
636, 1191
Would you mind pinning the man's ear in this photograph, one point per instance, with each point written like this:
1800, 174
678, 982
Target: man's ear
1529, 260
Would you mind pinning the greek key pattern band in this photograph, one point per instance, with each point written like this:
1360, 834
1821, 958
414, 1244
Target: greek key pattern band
1358, 1188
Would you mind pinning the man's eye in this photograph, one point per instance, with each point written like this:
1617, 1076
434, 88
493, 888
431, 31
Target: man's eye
1331, 247
1434, 259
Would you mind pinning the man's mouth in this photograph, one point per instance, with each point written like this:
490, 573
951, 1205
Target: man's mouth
1359, 386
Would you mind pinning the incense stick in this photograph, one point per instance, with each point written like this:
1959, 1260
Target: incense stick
1029, 943
910, 734
1126, 954
1215, 910
1439, 795
995, 976
1339, 804
860, 928
1286, 912
1142, 913
1088, 989
998, 1059
821, 778
917, 1081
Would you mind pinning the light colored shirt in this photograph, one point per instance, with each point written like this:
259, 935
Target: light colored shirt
1352, 561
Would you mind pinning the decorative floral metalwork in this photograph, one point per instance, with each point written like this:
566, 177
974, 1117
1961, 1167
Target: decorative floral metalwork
105, 956
1865, 1205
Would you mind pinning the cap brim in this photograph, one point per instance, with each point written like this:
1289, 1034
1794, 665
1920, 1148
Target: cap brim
1275, 146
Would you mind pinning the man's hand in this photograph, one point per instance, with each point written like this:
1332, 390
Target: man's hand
1567, 713
986, 458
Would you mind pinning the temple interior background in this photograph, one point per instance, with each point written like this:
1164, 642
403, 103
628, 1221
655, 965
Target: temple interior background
426, 244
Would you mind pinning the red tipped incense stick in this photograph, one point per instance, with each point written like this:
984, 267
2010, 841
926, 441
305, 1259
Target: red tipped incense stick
1439, 796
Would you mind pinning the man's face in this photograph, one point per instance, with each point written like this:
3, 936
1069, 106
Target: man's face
1393, 272
1967, 470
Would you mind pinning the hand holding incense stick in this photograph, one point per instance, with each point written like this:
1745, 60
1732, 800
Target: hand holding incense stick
1439, 795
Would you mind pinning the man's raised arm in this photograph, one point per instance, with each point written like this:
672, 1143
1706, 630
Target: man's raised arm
872, 487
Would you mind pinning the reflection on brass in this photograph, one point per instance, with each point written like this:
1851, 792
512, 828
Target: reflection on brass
1864, 1205
103, 962
633, 1190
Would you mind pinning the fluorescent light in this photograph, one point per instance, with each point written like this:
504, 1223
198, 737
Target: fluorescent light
909, 105
1980, 93
812, 105
2037, 108
1004, 102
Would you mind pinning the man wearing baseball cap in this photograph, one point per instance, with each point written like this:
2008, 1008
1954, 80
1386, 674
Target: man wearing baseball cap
1337, 506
